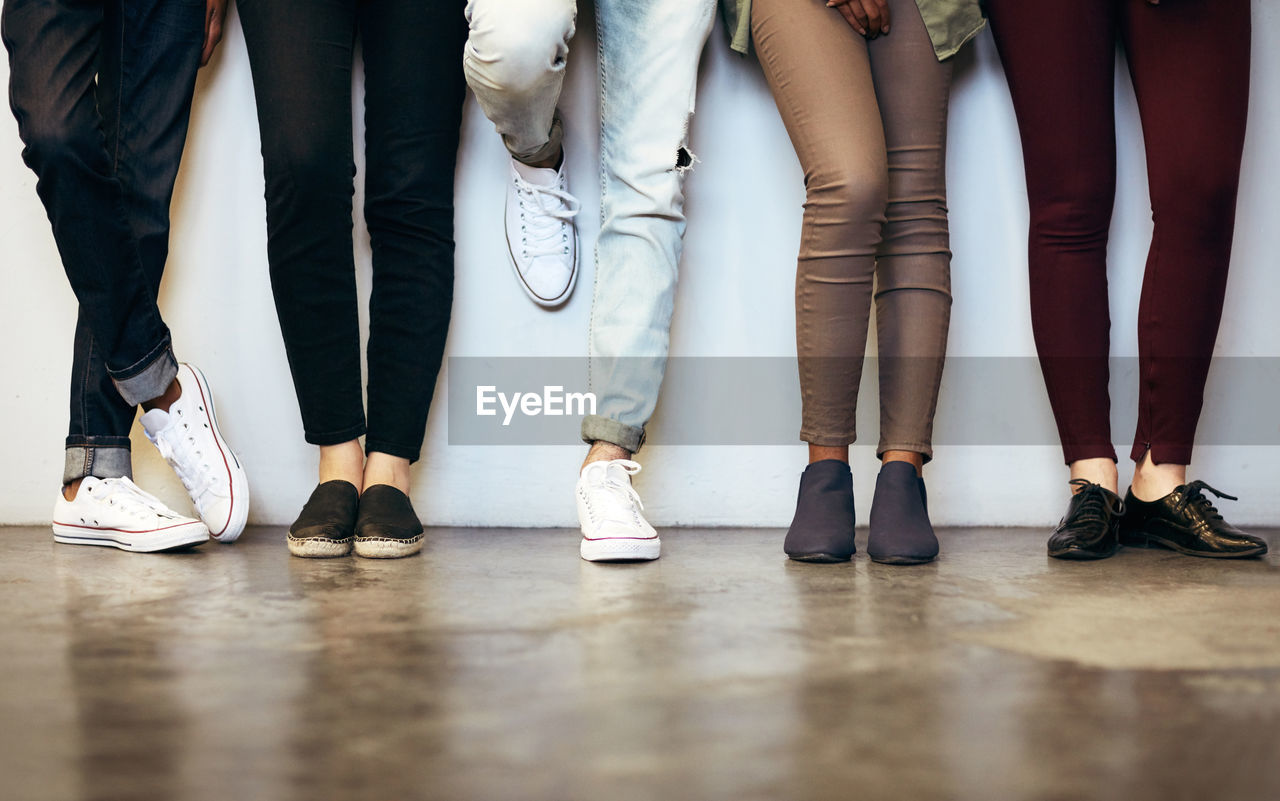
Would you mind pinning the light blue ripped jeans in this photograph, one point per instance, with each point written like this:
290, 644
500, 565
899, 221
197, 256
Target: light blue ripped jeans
649, 52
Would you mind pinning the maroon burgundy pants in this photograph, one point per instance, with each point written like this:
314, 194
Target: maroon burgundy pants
1189, 61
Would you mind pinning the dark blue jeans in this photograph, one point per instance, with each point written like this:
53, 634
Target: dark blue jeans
102, 93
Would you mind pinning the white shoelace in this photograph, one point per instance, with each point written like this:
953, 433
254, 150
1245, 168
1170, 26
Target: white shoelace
615, 500
179, 448
546, 213
131, 499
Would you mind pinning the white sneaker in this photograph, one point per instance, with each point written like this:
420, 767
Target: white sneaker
114, 512
189, 440
542, 238
613, 530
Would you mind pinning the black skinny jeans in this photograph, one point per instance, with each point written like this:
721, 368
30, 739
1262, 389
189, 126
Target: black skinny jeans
301, 54
102, 94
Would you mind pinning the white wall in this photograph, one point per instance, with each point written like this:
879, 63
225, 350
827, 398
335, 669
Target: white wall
734, 300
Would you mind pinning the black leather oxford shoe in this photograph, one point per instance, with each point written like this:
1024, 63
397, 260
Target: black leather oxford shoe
1090, 529
1186, 521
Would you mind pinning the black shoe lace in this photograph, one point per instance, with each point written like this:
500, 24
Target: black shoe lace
1193, 495
1094, 500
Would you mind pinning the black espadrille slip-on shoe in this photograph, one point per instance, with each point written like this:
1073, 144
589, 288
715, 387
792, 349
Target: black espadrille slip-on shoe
387, 527
326, 525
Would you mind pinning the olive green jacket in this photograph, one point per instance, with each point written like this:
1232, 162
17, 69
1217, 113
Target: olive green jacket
951, 23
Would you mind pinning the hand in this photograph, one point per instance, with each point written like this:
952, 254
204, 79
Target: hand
869, 18
215, 13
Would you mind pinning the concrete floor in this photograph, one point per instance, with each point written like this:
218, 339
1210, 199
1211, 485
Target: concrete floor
499, 666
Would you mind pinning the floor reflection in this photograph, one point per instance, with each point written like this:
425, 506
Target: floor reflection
497, 665
370, 675
121, 624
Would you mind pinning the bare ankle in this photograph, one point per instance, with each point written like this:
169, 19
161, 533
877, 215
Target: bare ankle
171, 394
550, 163
342, 462
605, 452
1153, 481
821, 453
69, 490
912, 458
1097, 471
382, 468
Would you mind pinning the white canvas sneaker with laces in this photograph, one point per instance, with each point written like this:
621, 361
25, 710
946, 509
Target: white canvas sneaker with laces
188, 438
542, 237
116, 513
613, 530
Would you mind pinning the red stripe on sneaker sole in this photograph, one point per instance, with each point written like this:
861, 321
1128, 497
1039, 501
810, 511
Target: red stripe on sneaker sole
122, 530
217, 438
606, 539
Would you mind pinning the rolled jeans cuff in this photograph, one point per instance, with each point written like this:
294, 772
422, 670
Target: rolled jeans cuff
392, 449
813, 437
922, 447
338, 437
100, 461
151, 381
604, 429
555, 140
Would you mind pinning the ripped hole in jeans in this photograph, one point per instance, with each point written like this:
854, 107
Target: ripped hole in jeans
685, 160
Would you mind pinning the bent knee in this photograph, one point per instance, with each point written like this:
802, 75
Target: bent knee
50, 142
513, 53
855, 193
1197, 203
304, 168
1073, 221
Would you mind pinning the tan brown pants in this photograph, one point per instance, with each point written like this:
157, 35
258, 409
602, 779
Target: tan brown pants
868, 120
